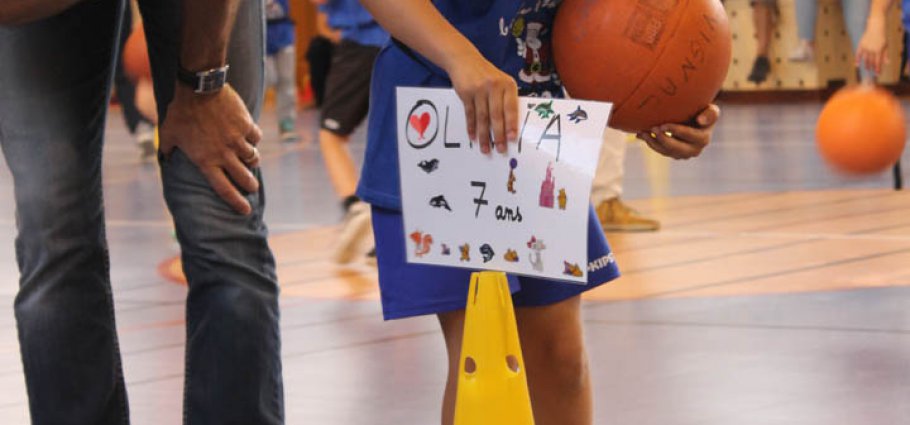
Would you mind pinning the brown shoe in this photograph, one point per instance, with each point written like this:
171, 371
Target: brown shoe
615, 216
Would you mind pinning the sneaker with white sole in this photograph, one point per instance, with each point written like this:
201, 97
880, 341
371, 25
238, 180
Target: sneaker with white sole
287, 131
803, 52
355, 230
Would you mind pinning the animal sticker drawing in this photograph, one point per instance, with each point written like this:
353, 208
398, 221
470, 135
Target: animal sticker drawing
440, 202
536, 246
422, 242
578, 116
465, 252
572, 269
429, 166
487, 251
510, 185
511, 256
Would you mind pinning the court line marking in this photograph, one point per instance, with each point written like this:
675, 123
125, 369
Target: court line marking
789, 235
776, 274
901, 332
753, 213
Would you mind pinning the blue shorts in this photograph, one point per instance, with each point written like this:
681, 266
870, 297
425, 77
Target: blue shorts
418, 289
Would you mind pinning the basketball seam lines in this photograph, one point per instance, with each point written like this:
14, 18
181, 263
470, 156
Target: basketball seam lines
657, 60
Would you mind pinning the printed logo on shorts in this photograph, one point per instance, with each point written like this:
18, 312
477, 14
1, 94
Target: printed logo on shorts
601, 262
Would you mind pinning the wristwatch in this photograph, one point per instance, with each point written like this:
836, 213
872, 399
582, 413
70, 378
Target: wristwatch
204, 82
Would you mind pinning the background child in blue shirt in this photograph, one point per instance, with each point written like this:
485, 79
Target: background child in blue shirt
345, 106
489, 51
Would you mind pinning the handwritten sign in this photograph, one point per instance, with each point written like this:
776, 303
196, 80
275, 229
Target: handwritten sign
524, 212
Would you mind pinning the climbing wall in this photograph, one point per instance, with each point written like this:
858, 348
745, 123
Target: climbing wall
834, 57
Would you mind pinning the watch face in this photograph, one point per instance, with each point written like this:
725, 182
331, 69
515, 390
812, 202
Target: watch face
212, 80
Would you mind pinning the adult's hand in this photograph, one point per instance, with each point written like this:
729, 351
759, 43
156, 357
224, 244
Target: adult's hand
683, 141
217, 133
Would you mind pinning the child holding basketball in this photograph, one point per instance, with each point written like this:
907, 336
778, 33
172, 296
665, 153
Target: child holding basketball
489, 51
870, 53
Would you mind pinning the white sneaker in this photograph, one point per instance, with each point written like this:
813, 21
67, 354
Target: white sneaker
145, 140
804, 52
355, 230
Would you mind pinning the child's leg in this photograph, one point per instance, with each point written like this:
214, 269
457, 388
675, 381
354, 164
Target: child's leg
556, 361
805, 19
856, 12
338, 162
762, 18
285, 65
452, 329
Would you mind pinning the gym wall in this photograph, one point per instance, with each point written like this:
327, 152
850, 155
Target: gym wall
834, 57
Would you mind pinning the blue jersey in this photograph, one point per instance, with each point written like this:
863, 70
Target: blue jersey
280, 27
355, 23
514, 35
905, 8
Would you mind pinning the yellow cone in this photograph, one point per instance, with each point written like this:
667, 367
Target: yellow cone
496, 391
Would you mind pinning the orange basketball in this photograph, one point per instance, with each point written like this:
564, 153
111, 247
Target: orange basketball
658, 61
861, 130
136, 56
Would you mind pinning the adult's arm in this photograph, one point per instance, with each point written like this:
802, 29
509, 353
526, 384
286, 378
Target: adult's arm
18, 12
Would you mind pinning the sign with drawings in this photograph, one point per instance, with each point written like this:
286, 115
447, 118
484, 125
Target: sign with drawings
524, 212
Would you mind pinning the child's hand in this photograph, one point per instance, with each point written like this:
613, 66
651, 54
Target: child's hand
680, 141
870, 53
490, 99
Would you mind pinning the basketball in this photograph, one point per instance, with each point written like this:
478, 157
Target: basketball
861, 130
658, 61
136, 57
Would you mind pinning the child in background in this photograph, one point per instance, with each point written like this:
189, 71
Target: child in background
763, 16
854, 12
347, 100
488, 51
281, 66
873, 46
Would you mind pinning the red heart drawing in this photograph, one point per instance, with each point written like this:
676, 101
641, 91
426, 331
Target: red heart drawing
420, 123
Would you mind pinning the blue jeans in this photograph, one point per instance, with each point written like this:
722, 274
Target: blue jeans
55, 76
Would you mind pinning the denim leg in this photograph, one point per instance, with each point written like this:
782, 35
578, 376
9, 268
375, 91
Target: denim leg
54, 83
855, 14
233, 363
806, 15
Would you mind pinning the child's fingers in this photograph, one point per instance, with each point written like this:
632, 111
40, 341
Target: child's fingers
708, 116
469, 118
697, 137
678, 149
497, 119
482, 122
652, 143
882, 61
510, 104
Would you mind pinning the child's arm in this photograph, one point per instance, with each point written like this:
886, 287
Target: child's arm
490, 96
872, 47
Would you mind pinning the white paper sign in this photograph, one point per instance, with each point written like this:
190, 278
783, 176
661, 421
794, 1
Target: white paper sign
525, 212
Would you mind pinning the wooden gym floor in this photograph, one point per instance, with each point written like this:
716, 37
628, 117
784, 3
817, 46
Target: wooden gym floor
776, 293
